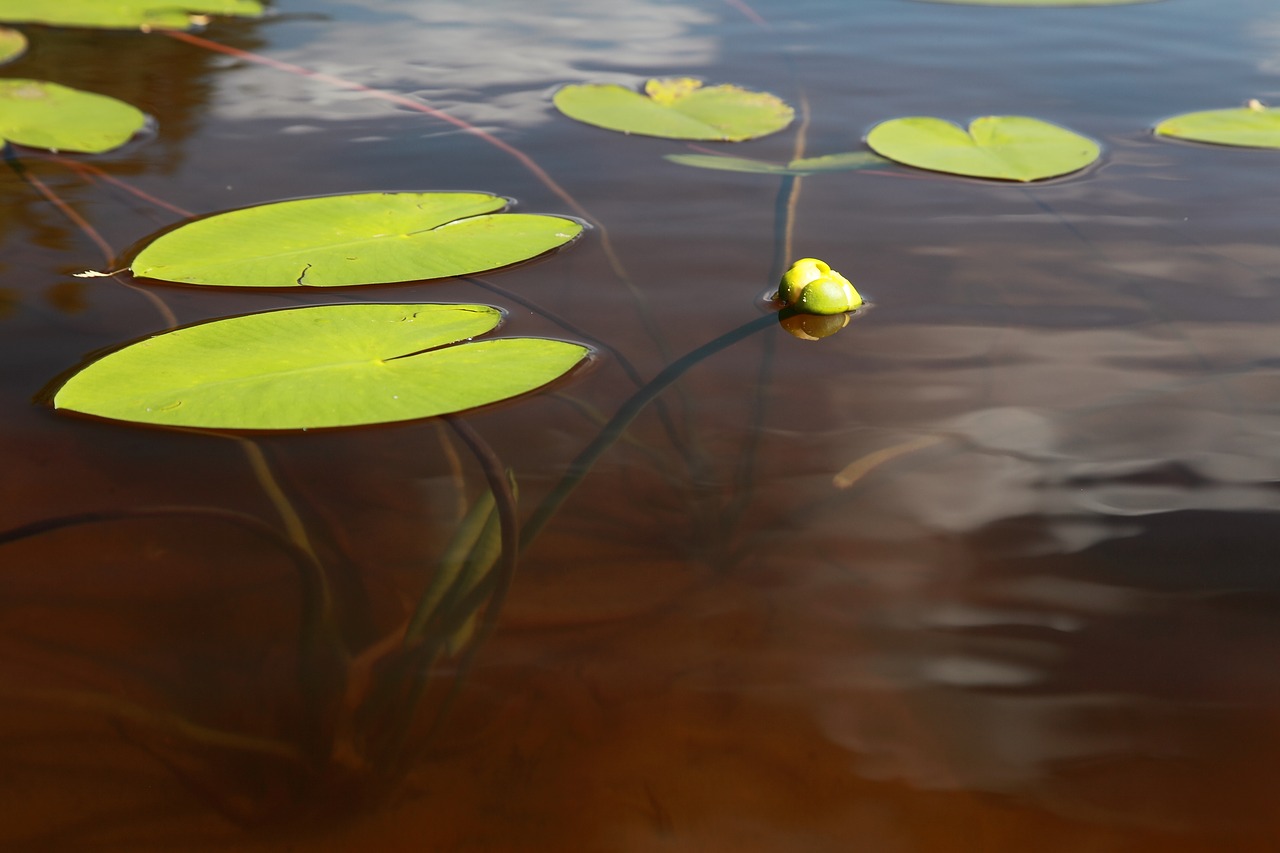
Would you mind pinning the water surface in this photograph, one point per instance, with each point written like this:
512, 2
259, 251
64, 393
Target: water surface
991, 569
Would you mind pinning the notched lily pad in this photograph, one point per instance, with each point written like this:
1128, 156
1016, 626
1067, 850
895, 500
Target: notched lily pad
1252, 126
844, 162
677, 108
316, 367
47, 115
363, 238
1008, 148
124, 14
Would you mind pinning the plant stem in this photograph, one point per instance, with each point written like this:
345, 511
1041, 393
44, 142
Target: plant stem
618, 424
316, 655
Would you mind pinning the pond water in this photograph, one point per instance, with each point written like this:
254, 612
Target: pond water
994, 568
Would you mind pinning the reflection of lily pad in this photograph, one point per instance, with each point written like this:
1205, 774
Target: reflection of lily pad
680, 108
1253, 126
844, 162
321, 366
123, 14
12, 44
1011, 148
46, 115
364, 238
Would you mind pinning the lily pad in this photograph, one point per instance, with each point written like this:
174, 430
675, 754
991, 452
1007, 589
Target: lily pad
1253, 126
363, 238
1010, 148
316, 367
47, 115
677, 108
123, 14
12, 44
844, 162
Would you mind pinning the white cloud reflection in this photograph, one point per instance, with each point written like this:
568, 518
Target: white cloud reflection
488, 63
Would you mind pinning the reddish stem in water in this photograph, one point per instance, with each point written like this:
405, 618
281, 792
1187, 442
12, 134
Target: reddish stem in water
400, 100
747, 11
94, 173
68, 211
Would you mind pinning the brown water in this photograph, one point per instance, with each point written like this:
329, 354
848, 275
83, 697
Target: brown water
995, 568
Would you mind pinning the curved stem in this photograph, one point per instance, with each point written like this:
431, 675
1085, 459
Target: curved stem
618, 424
315, 656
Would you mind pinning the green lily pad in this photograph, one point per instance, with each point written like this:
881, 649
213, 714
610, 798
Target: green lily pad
677, 108
1041, 2
316, 367
12, 44
123, 14
1009, 148
844, 162
364, 238
1253, 126
46, 115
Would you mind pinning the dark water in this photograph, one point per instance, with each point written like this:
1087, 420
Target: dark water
995, 568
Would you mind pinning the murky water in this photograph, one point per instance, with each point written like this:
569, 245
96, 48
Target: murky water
992, 569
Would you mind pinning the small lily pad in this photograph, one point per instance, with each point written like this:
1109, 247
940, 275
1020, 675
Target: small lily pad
123, 14
844, 162
12, 44
317, 367
47, 115
1010, 148
677, 108
362, 238
1253, 126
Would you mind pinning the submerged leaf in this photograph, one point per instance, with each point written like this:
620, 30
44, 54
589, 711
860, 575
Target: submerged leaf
123, 14
1010, 148
46, 115
845, 162
364, 238
679, 108
12, 44
315, 367
1253, 126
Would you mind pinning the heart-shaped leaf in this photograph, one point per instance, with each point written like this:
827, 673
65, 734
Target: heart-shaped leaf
677, 108
1010, 148
844, 162
46, 115
1253, 126
123, 14
364, 238
12, 44
321, 366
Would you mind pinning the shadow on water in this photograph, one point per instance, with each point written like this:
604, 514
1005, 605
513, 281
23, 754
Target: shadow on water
992, 568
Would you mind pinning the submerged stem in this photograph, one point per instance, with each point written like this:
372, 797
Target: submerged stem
583, 462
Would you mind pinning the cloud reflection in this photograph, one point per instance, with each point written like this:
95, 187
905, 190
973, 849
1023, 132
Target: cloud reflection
490, 64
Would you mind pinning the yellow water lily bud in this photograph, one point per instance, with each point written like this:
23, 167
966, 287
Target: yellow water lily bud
798, 275
829, 294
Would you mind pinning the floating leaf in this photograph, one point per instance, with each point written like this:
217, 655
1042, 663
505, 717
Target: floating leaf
1011, 148
1253, 126
123, 14
12, 44
321, 366
1041, 2
46, 115
678, 108
365, 238
844, 162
